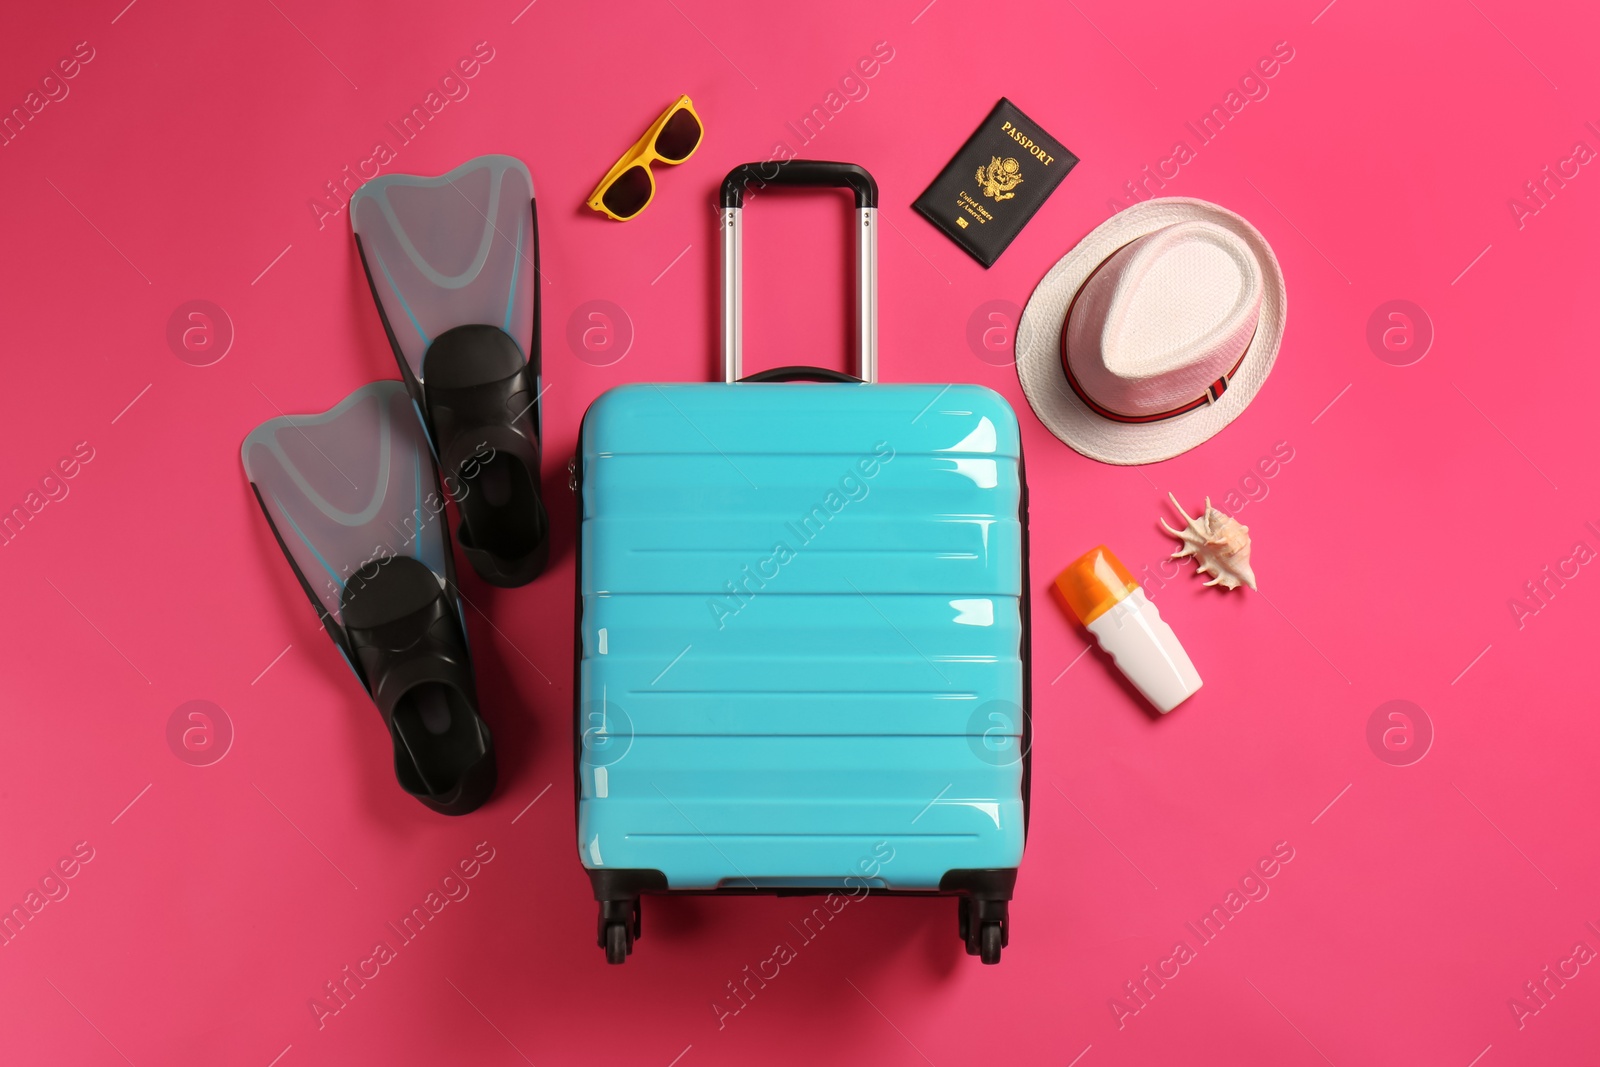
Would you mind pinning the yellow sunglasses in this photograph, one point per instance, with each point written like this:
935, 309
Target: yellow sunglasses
629, 186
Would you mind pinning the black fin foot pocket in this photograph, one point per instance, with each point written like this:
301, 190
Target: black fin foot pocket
406, 637
483, 414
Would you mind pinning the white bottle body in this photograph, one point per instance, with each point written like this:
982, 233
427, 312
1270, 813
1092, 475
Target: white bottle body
1147, 651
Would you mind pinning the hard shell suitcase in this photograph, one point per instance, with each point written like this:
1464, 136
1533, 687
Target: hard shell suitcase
802, 635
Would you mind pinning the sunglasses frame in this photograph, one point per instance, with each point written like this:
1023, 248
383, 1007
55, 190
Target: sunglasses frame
643, 154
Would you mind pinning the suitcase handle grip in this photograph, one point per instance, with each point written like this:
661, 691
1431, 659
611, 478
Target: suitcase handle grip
804, 172
799, 172
802, 374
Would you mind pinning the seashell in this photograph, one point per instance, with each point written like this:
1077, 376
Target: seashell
1219, 544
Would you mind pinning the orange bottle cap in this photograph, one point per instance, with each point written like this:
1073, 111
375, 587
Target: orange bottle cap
1094, 582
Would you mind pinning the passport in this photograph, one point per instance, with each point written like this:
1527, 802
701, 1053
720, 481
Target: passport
1000, 177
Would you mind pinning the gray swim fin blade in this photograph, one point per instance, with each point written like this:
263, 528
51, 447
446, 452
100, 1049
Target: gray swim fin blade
355, 505
453, 264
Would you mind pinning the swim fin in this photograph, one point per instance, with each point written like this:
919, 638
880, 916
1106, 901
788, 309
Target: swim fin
353, 500
453, 263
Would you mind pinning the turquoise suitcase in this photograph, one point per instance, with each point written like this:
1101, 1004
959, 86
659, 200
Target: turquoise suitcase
802, 661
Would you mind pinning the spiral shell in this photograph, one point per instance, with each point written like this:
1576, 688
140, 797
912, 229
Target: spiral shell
1219, 544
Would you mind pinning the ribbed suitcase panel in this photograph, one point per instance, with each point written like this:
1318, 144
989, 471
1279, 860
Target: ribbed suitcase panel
865, 664
697, 419
788, 486
710, 809
866, 624
801, 632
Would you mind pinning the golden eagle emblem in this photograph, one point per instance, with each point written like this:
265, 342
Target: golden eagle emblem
1000, 177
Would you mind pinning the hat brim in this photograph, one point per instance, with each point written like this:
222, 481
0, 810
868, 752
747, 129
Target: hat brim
1039, 341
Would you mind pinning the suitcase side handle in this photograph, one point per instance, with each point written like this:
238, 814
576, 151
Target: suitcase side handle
800, 172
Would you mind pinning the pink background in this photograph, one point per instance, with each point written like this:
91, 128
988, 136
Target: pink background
1418, 501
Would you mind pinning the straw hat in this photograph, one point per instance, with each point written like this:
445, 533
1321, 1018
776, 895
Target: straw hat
1155, 332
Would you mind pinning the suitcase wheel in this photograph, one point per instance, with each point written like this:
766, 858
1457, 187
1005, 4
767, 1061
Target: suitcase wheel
985, 927
990, 940
619, 942
620, 926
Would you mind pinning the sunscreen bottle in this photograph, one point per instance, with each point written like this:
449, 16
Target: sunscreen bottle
1112, 607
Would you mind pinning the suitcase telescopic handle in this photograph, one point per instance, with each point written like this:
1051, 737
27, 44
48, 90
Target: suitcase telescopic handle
807, 172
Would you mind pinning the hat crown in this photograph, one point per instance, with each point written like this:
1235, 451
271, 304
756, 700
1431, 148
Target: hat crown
1164, 317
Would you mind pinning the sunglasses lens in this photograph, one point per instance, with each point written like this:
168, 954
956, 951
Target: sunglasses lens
628, 195
679, 136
